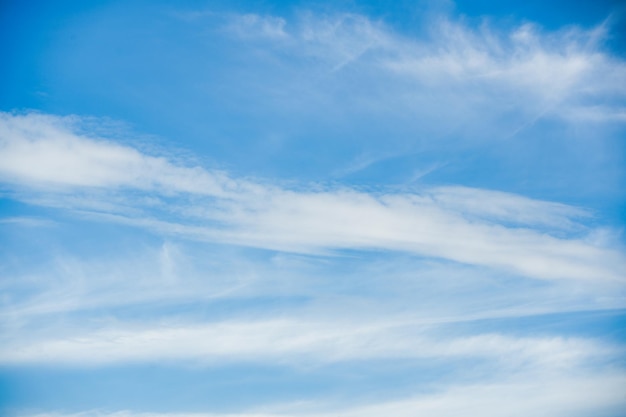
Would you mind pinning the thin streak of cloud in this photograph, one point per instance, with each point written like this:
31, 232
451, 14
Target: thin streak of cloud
477, 227
28, 221
293, 341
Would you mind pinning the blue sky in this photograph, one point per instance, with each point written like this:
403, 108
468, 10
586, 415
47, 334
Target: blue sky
314, 209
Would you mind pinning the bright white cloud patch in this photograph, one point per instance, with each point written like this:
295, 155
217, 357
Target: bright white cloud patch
443, 223
43, 151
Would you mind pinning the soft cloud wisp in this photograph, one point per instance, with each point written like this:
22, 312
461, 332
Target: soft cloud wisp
443, 222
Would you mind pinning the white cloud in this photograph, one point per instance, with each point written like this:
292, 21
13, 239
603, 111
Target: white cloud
348, 219
339, 39
524, 69
27, 221
550, 64
42, 150
294, 341
63, 287
252, 26
551, 398
509, 208
476, 227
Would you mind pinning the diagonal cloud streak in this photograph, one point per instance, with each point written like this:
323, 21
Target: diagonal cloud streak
46, 155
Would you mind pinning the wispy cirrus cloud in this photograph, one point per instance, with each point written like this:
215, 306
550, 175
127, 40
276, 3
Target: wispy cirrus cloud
476, 227
253, 26
469, 68
294, 341
450, 87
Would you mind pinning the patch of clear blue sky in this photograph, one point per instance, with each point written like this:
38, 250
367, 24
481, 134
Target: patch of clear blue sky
224, 388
